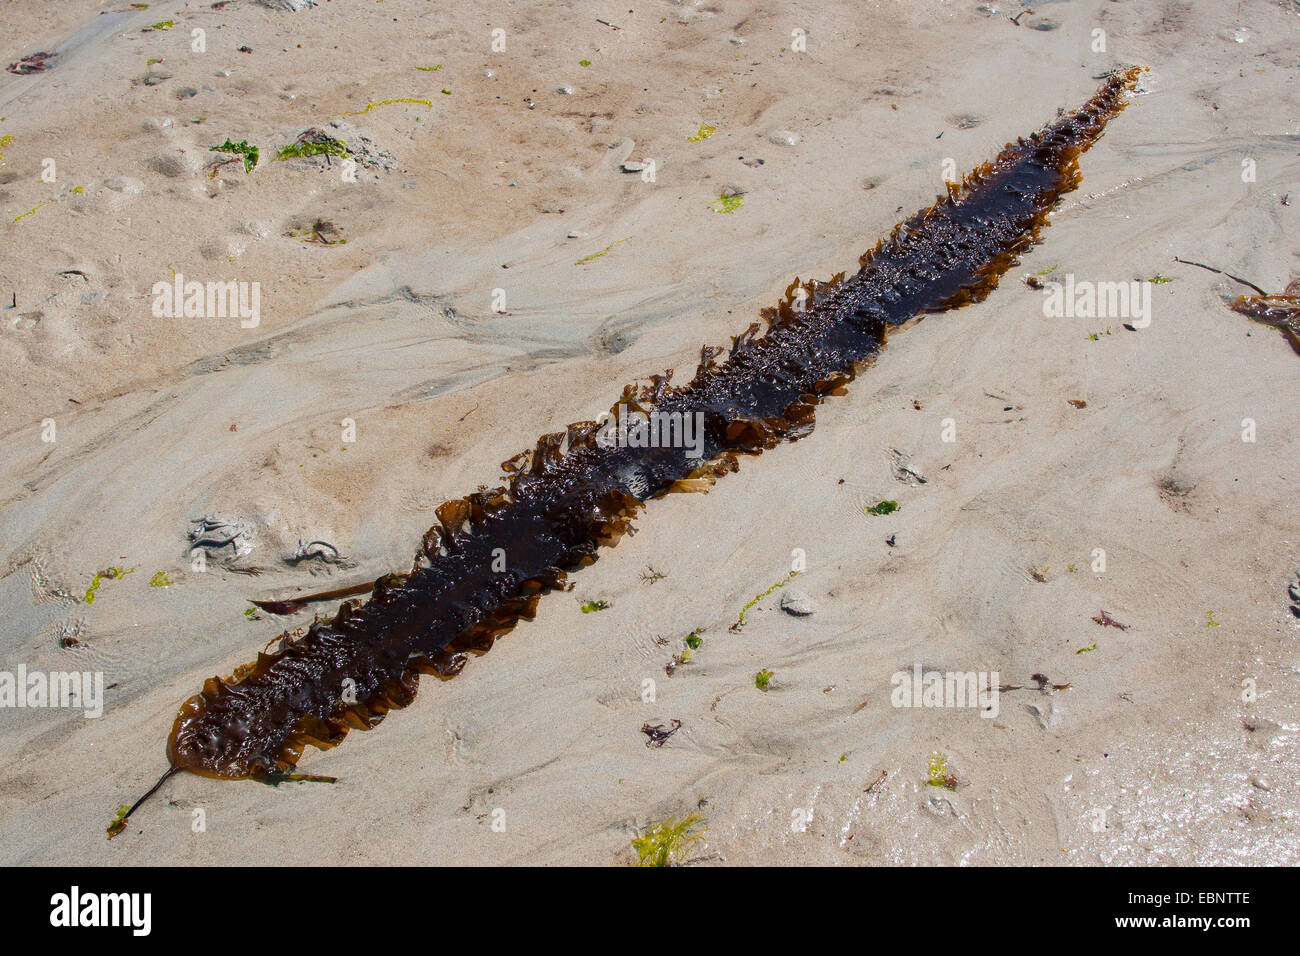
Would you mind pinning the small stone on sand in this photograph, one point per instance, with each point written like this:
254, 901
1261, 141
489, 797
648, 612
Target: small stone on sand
796, 603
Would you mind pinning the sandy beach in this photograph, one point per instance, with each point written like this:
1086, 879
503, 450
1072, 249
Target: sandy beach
543, 202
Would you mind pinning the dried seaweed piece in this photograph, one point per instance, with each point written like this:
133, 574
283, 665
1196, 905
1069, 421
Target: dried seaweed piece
1105, 620
570, 495
296, 604
658, 733
32, 63
1041, 683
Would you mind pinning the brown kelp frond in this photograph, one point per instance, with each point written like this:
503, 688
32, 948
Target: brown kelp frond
491, 555
1280, 311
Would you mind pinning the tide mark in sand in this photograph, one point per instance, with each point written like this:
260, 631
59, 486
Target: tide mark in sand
571, 494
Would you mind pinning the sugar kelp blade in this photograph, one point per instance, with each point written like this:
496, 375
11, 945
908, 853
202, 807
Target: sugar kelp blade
572, 493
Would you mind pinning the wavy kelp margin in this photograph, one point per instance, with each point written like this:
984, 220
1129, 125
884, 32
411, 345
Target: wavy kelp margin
571, 494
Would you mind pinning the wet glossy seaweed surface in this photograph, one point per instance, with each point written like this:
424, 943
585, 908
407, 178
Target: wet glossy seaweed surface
569, 495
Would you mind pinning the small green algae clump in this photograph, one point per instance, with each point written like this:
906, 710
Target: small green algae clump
668, 843
241, 148
940, 776
325, 146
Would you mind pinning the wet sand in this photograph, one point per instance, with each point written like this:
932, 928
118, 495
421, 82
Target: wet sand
504, 183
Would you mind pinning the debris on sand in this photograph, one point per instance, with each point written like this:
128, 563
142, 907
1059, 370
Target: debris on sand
288, 6
213, 533
658, 734
797, 603
903, 470
321, 550
321, 146
32, 63
1105, 620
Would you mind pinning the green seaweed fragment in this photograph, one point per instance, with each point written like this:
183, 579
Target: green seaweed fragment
1210, 621
372, 105
160, 580
250, 153
940, 775
111, 574
669, 842
705, 132
728, 203
693, 640
119, 821
883, 508
1086, 650
593, 606
430, 69
763, 679
597, 255
330, 147
740, 620
32, 210
163, 25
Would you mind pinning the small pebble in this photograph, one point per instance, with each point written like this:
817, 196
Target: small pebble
796, 603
